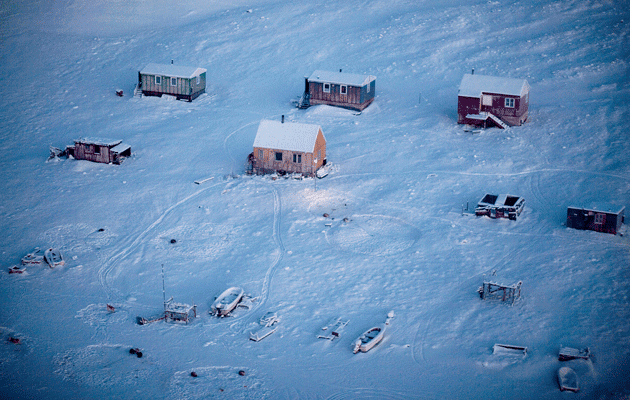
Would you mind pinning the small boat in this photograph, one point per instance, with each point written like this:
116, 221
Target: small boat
569, 353
568, 380
54, 258
35, 257
16, 270
369, 339
227, 301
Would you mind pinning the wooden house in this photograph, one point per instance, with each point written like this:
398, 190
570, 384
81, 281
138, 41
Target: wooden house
596, 218
182, 82
288, 147
99, 150
492, 101
339, 89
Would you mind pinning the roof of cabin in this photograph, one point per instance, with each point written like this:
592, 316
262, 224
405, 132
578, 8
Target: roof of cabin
171, 70
97, 141
476, 85
341, 78
287, 136
602, 207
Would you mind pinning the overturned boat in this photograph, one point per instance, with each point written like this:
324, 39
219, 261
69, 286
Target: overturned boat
35, 257
227, 301
568, 380
53, 258
372, 336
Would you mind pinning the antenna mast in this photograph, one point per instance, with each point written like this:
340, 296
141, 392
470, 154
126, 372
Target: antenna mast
163, 290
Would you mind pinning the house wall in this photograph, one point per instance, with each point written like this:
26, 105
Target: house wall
87, 152
599, 221
512, 116
186, 88
357, 97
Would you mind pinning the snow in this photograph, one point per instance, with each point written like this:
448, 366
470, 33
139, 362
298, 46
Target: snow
290, 136
476, 85
341, 78
404, 170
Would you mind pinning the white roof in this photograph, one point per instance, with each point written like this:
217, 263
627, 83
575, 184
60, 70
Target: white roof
476, 85
121, 147
286, 136
602, 207
98, 141
176, 71
341, 78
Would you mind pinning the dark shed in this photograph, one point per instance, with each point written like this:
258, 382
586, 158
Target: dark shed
182, 82
99, 150
497, 101
596, 219
339, 89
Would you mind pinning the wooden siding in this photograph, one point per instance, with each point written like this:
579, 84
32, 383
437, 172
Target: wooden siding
357, 98
89, 152
599, 221
186, 88
268, 164
512, 116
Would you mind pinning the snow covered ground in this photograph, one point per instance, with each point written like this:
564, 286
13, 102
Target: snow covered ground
403, 170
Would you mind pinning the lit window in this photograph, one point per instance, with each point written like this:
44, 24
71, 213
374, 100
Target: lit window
509, 102
278, 156
344, 89
173, 81
261, 154
326, 87
158, 80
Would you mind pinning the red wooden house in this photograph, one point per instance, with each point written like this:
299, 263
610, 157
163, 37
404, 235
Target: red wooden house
340, 89
99, 150
596, 219
492, 101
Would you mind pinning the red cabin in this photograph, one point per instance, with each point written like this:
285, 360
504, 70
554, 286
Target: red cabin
492, 101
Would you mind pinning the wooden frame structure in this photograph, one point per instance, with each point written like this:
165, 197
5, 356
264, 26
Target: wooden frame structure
497, 291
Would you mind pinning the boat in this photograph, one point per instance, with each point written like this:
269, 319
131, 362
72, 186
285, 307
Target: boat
35, 257
227, 301
369, 339
268, 325
17, 270
54, 258
568, 380
569, 353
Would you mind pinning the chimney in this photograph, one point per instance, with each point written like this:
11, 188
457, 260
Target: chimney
473, 72
283, 119
171, 61
339, 69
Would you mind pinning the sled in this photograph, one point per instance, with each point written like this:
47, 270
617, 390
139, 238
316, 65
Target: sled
268, 324
333, 329
568, 380
35, 257
17, 270
508, 349
54, 258
568, 353
226, 302
200, 181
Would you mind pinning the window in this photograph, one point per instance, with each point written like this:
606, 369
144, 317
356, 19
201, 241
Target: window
509, 102
368, 87
198, 79
278, 156
97, 149
173, 81
261, 154
487, 100
599, 219
297, 158
344, 89
319, 154
158, 80
326, 87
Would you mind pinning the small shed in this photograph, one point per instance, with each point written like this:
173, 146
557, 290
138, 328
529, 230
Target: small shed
99, 150
602, 218
179, 312
492, 101
182, 82
288, 147
353, 91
